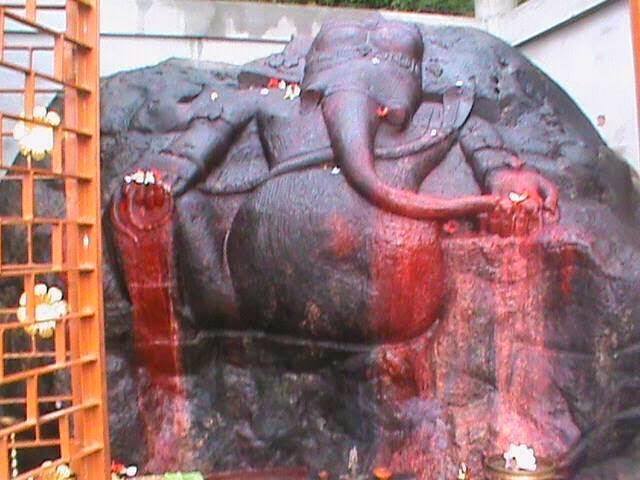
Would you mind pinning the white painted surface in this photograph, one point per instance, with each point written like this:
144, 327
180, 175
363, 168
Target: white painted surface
536, 17
126, 53
233, 20
486, 9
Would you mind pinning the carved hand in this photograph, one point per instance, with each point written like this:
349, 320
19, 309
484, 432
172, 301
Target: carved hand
143, 203
176, 173
527, 202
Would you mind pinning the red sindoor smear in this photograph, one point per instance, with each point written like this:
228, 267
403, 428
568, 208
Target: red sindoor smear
145, 240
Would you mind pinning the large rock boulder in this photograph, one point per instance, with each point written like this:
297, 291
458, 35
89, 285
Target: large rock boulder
537, 343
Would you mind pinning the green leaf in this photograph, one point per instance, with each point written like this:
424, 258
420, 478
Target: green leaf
183, 476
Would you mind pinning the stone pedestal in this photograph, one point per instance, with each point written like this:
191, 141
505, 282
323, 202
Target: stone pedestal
517, 357
494, 370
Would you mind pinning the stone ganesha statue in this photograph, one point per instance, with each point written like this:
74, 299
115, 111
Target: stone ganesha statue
338, 208
397, 237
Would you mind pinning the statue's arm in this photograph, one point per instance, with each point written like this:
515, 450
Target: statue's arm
485, 150
529, 199
203, 145
192, 155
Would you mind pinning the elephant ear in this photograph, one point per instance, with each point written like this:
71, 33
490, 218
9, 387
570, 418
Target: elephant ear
180, 87
458, 102
287, 65
435, 122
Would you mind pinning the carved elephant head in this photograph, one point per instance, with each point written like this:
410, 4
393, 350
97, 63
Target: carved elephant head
362, 74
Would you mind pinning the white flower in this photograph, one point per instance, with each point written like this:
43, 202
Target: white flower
131, 471
54, 295
288, 93
53, 118
518, 197
60, 309
138, 177
63, 472
19, 131
292, 91
44, 312
149, 178
520, 457
34, 140
45, 320
49, 306
40, 289
39, 112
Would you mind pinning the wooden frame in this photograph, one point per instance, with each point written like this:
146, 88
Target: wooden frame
65, 423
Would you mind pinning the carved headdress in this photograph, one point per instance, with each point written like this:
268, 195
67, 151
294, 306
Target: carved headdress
345, 51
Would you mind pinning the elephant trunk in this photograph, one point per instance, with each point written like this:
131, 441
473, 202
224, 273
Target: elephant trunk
352, 124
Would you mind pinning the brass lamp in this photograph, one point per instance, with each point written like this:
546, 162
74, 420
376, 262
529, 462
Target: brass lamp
494, 469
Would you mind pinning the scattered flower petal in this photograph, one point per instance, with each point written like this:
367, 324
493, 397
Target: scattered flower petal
520, 457
382, 473
288, 93
149, 178
138, 177
273, 83
518, 197
382, 111
463, 472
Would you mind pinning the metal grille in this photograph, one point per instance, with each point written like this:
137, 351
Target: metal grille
52, 382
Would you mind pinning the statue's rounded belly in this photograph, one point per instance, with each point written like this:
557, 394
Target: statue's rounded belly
311, 258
